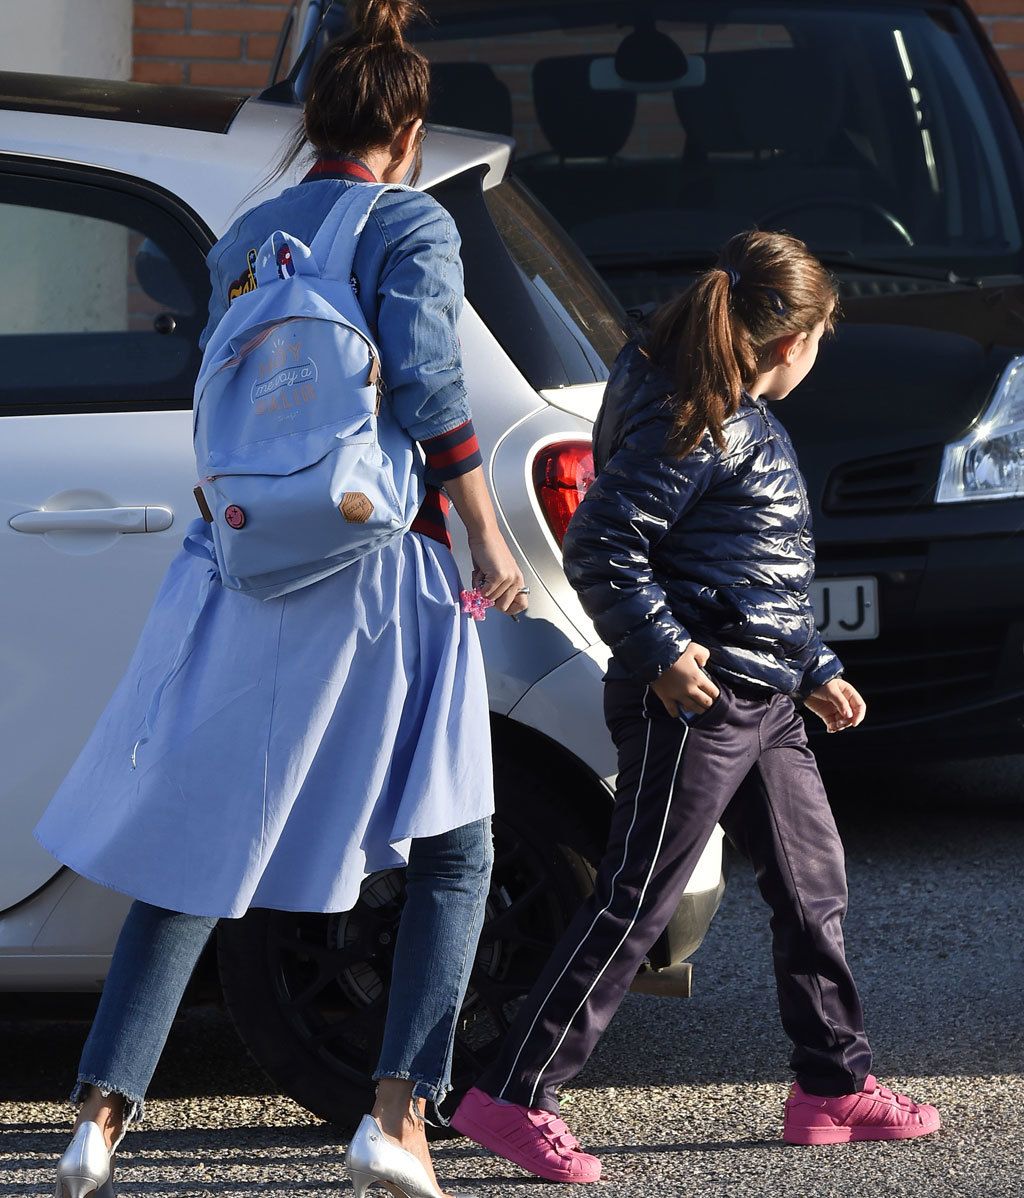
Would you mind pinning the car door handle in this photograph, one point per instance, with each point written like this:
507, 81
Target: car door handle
101, 519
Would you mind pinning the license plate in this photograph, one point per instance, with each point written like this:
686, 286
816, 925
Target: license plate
846, 609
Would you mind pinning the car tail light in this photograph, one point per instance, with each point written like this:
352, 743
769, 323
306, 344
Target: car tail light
561, 474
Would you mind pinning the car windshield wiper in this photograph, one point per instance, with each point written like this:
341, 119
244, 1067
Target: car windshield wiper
845, 260
837, 259
841, 259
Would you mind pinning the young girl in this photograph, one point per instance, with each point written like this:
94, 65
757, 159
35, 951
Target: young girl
692, 553
310, 740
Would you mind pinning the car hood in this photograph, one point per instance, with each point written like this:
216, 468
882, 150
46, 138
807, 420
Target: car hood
904, 372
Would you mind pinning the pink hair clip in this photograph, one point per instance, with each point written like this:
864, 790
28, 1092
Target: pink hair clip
475, 604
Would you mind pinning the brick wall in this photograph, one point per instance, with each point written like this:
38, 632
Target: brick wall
229, 44
1004, 20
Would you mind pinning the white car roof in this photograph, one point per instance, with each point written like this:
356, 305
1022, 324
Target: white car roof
210, 148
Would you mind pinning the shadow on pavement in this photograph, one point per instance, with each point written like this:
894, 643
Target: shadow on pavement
935, 935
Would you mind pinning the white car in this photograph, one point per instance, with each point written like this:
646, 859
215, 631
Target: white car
111, 195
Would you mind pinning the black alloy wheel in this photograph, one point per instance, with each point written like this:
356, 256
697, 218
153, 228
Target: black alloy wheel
308, 993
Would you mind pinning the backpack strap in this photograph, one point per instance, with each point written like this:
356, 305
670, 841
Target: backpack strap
334, 246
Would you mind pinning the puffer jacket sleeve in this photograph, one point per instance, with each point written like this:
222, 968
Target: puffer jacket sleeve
420, 297
820, 665
635, 500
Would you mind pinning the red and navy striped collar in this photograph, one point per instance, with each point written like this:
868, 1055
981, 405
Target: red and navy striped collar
340, 168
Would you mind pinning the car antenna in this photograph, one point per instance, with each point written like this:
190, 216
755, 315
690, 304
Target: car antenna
286, 91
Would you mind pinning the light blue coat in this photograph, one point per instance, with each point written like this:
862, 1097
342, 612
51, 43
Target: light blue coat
301, 742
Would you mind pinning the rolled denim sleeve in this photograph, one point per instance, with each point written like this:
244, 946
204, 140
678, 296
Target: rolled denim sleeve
420, 297
632, 504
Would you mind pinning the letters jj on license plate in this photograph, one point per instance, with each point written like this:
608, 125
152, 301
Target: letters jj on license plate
846, 609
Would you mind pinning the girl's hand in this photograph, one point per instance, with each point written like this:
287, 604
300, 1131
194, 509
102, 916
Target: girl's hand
838, 704
497, 574
685, 685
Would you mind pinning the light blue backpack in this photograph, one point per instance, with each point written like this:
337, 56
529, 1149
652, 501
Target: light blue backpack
302, 468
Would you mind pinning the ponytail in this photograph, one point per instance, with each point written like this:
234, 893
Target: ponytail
712, 337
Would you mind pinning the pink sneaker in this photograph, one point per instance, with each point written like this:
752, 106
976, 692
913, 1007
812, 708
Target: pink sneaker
876, 1113
537, 1141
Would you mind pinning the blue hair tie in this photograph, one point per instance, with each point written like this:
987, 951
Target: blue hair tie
734, 277
777, 303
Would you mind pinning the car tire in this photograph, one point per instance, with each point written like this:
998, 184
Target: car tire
308, 992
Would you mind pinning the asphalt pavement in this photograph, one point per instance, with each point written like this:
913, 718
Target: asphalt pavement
684, 1097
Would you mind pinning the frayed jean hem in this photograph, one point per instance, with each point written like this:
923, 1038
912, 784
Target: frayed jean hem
433, 1092
134, 1105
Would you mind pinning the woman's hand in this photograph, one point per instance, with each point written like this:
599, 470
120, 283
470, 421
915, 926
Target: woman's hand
496, 572
685, 685
838, 705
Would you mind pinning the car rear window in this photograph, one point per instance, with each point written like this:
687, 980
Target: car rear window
536, 292
571, 301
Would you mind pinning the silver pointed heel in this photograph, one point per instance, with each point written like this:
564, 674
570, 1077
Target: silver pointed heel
372, 1159
361, 1182
86, 1170
76, 1187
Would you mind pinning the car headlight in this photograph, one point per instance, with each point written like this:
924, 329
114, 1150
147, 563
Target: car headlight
989, 462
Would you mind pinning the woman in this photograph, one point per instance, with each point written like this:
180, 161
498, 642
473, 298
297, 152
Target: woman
308, 741
692, 552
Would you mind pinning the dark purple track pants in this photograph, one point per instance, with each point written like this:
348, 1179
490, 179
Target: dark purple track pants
745, 764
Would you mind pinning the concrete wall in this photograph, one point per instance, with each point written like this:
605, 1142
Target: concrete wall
67, 37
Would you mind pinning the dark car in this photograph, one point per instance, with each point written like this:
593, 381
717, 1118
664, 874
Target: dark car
887, 135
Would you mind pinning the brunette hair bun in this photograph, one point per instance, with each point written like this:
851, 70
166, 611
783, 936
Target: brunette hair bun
368, 85
376, 21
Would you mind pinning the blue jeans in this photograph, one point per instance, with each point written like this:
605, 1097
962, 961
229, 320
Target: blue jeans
446, 889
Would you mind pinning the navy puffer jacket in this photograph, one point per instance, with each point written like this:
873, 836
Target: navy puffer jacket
715, 547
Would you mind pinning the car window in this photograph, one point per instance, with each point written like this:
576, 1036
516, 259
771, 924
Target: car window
571, 301
537, 294
653, 132
103, 304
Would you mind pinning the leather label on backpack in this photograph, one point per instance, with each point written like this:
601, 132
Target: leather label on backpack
204, 507
356, 507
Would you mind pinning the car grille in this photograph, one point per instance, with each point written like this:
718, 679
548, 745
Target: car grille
898, 480
881, 286
912, 673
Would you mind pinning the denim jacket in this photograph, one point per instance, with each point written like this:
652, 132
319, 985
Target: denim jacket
408, 277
